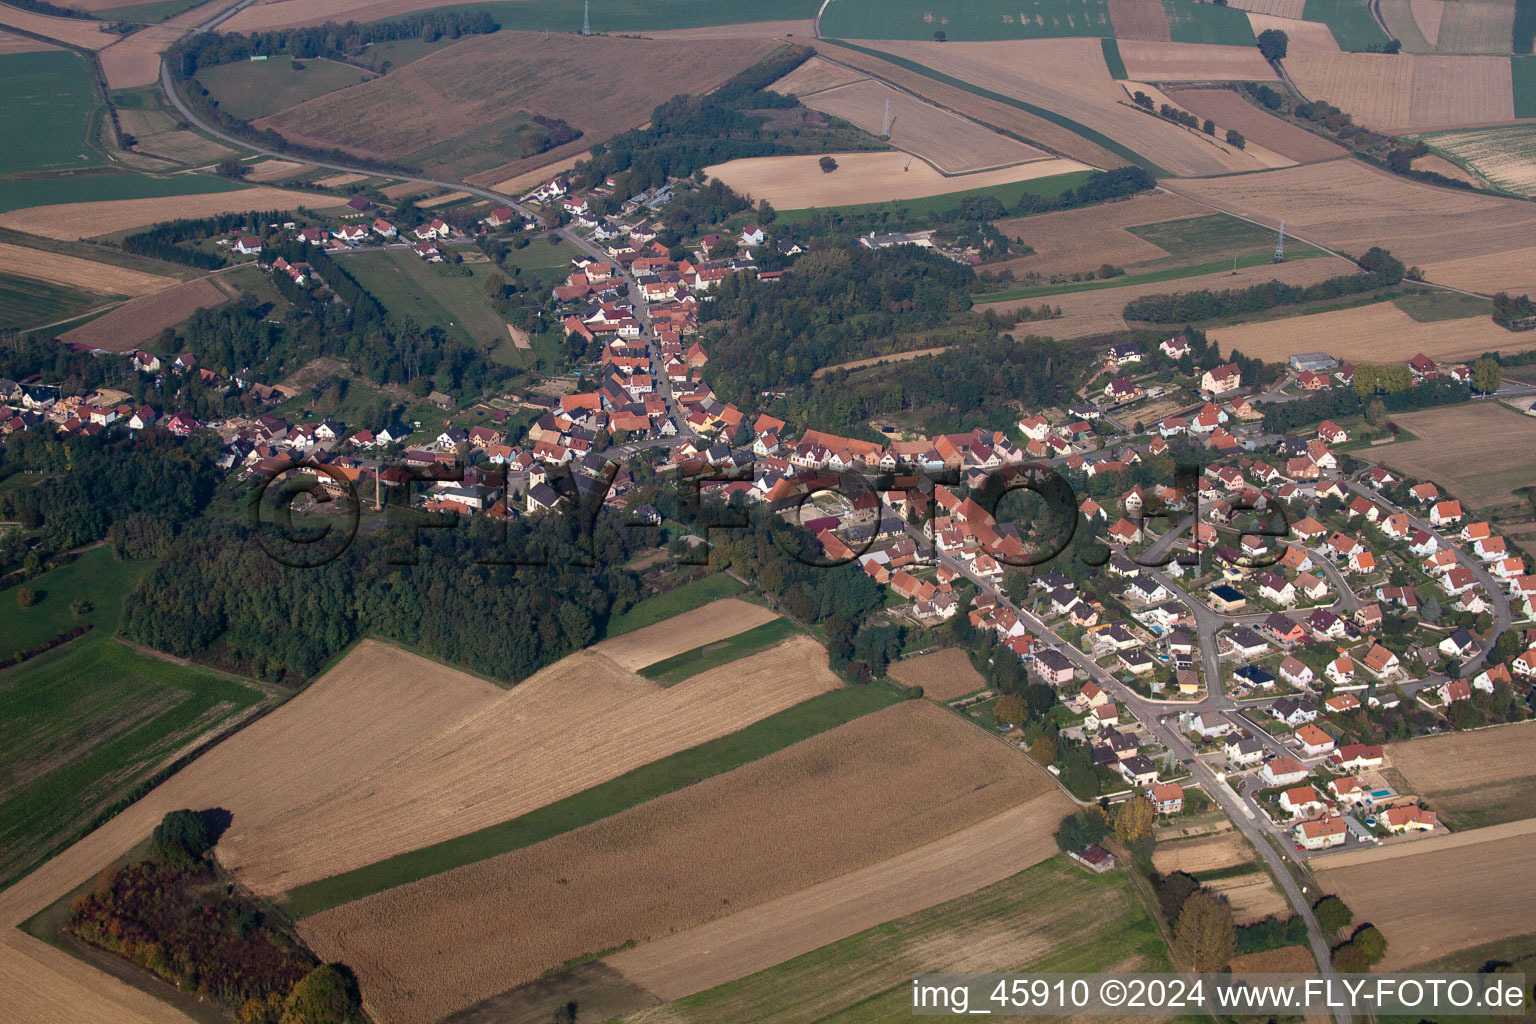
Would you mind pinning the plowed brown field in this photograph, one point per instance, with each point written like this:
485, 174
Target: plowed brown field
1481, 453
1229, 110
1138, 19
137, 322
1431, 897
943, 675
1207, 853
859, 794
715, 621
1473, 772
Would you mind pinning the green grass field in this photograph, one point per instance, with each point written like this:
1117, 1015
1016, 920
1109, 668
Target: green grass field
149, 13
252, 89
685, 598
1008, 195
977, 19
1051, 917
1429, 306
647, 782
1190, 22
49, 102
1098, 138
83, 725
1113, 60
1523, 77
431, 293
1214, 236
1350, 22
486, 147
26, 302
670, 671
95, 188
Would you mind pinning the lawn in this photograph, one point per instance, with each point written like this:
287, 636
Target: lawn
251, 89
670, 671
26, 302
93, 576
1431, 305
1523, 77
82, 727
687, 597
1008, 195
1190, 22
978, 19
1350, 22
647, 782
49, 101
449, 297
1214, 236
92, 188
1052, 917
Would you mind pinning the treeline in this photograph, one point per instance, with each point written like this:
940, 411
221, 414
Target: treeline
161, 241
332, 40
689, 133
1380, 270
1516, 312
1338, 402
825, 310
977, 383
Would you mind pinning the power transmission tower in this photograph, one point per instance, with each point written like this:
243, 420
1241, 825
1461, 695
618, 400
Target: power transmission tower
885, 126
1280, 245
586, 17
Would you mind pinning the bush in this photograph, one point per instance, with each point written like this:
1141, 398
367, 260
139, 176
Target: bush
26, 597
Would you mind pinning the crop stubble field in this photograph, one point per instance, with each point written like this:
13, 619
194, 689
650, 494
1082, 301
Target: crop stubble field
588, 81
139, 321
814, 75
1403, 92
1204, 853
90, 35
1139, 19
865, 791
1433, 896
1459, 238
1229, 110
1481, 452
1505, 156
76, 272
943, 675
135, 59
1193, 62
715, 621
1479, 778
1075, 240
1380, 331
951, 143
69, 221
1301, 36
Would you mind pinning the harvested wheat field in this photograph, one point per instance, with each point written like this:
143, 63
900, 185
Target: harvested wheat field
856, 795
340, 180
1139, 19
1490, 771
1505, 156
950, 142
1194, 62
1351, 206
1229, 110
135, 60
1205, 853
1380, 332
78, 273
814, 75
10, 42
1440, 165
1481, 452
1428, 14
1470, 27
1074, 240
1510, 271
1079, 87
943, 675
1408, 92
770, 933
588, 81
714, 622
277, 170
579, 722
69, 221
1100, 311
1290, 9
1398, 17
442, 200
1434, 896
1301, 36
775, 30
91, 35
797, 182
137, 322
1253, 897
406, 189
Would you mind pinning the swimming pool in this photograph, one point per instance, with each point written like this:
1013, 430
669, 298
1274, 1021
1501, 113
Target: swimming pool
1381, 794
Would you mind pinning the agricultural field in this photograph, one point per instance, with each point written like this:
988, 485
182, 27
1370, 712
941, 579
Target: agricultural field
135, 60
1048, 917
1079, 95
978, 20
1471, 902
157, 133
1479, 452
10, 42
269, 169
856, 795
1137, 19
1290, 9
1229, 110
673, 670
1191, 22
816, 75
51, 106
139, 321
1522, 72
27, 302
481, 80
1381, 331
1407, 92
1472, 779
452, 298
532, 15
798, 182
124, 201
943, 675
1506, 157
1217, 852
951, 143
1472, 27
89, 35
694, 594
1075, 240
1462, 239
1191, 62
683, 632
1301, 36
252, 89
1350, 22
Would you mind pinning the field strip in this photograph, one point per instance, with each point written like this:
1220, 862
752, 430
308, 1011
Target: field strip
58, 268
697, 628
92, 35
666, 775
671, 671
894, 357
71, 221
1378, 331
1415, 847
779, 930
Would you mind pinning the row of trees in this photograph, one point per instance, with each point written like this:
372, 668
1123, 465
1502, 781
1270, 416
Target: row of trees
1380, 269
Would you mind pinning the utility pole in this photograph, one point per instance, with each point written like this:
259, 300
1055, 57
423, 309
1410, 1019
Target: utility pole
1280, 245
586, 17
